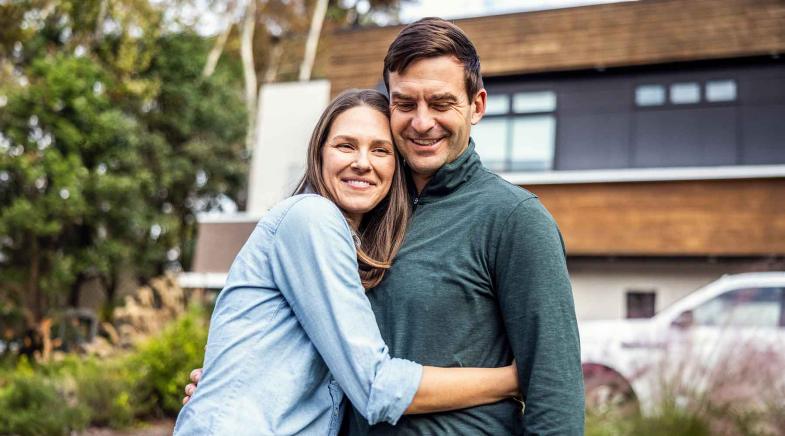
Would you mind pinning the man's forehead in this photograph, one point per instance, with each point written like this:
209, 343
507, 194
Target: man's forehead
439, 75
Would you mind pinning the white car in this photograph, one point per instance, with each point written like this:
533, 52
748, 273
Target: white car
727, 338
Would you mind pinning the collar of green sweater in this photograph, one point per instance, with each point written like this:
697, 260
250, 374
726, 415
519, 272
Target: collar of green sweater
451, 176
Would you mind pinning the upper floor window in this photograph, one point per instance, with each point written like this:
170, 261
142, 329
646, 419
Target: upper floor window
518, 132
685, 93
721, 90
680, 93
650, 95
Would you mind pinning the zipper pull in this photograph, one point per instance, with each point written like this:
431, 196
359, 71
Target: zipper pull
416, 200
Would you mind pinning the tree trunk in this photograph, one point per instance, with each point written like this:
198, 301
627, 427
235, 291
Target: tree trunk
109, 282
33, 286
73, 296
99, 21
249, 72
220, 42
271, 73
312, 42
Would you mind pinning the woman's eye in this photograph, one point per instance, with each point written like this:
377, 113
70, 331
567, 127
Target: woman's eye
345, 147
382, 151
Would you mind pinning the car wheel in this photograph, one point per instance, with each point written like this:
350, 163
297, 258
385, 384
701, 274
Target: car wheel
608, 392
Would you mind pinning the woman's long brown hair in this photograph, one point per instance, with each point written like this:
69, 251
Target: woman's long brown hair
382, 229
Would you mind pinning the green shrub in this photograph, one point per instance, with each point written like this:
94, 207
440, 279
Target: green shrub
106, 389
161, 365
60, 397
32, 405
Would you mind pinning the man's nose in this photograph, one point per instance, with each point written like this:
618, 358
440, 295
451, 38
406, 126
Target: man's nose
423, 120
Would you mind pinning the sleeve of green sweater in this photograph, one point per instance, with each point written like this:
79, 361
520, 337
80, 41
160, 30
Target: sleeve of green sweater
536, 302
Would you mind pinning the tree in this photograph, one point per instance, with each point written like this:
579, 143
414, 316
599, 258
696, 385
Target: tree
110, 142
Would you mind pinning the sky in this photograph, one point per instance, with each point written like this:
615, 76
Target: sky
209, 22
416, 9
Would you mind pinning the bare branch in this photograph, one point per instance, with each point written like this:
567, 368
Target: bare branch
319, 12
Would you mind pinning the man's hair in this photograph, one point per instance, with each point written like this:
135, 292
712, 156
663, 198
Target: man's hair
429, 38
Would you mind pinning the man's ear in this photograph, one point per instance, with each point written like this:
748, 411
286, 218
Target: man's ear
478, 105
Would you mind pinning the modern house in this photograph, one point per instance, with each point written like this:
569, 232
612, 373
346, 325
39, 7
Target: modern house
653, 131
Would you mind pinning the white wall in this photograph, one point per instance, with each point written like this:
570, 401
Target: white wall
600, 286
287, 115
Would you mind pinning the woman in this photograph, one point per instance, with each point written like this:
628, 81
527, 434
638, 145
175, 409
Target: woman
292, 330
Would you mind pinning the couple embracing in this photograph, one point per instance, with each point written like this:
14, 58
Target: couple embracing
402, 275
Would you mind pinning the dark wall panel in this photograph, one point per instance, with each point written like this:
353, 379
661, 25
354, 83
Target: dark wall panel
764, 88
593, 141
764, 135
685, 137
598, 96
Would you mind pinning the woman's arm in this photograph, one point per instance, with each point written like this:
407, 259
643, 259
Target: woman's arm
443, 389
314, 264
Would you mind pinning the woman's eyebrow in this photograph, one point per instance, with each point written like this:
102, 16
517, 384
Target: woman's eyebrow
345, 138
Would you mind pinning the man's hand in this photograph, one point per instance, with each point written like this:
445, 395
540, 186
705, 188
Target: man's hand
190, 388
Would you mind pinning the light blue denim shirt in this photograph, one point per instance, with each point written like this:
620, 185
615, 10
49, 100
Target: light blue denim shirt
292, 331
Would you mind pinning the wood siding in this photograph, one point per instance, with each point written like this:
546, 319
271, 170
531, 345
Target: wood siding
600, 36
690, 218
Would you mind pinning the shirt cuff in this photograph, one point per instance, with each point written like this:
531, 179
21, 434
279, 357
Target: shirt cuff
393, 390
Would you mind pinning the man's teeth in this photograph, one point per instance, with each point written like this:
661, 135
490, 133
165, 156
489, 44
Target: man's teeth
358, 183
425, 141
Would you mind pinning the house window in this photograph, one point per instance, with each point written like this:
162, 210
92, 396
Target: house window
714, 91
641, 304
532, 102
520, 136
650, 95
497, 104
685, 93
720, 90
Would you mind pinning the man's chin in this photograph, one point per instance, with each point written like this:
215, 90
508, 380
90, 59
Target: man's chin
425, 166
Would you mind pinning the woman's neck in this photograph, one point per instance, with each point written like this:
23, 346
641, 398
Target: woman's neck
354, 220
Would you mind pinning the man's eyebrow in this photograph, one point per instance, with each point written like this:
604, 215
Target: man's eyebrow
400, 96
443, 97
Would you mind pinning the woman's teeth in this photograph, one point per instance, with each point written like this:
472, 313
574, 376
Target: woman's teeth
358, 183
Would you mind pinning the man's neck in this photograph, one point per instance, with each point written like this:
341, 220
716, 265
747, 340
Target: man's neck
420, 182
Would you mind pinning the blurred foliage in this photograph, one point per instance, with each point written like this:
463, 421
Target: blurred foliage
67, 395
690, 414
33, 405
110, 142
160, 373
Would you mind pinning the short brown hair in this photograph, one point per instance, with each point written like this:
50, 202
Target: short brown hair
382, 229
429, 38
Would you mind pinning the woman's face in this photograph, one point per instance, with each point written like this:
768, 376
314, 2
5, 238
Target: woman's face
358, 161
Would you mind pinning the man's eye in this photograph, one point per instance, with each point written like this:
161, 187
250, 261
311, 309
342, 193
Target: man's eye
406, 107
440, 106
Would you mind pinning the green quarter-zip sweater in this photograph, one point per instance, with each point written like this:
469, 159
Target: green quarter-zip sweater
481, 279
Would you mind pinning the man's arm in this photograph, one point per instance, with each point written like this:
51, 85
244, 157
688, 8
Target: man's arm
536, 302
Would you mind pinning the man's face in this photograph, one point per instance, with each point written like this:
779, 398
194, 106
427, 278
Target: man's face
431, 115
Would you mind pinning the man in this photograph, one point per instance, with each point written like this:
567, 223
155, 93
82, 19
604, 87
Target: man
481, 278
